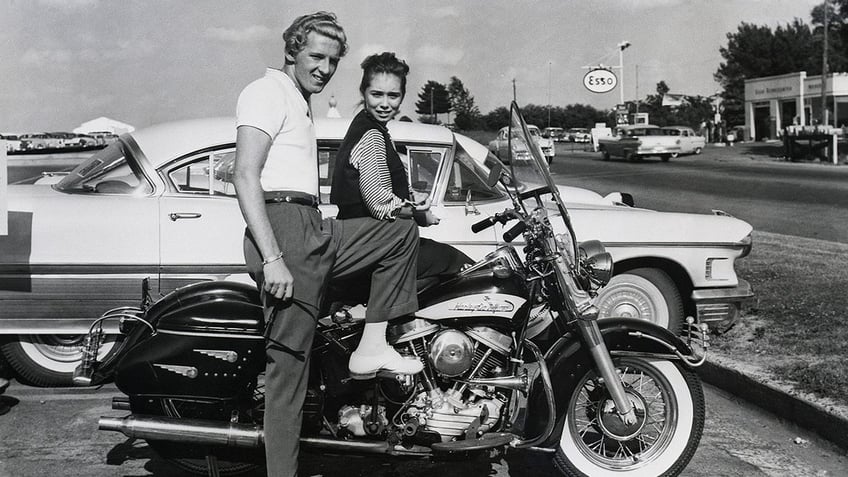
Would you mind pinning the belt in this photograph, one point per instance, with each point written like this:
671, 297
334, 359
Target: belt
291, 197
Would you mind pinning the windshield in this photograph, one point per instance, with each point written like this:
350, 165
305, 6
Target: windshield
529, 168
109, 171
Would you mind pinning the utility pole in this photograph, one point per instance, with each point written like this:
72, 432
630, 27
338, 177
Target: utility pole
824, 70
513, 90
637, 89
549, 93
621, 47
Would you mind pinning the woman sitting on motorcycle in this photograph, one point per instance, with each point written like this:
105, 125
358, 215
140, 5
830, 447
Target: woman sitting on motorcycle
370, 180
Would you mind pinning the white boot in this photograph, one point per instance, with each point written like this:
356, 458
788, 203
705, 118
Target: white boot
366, 364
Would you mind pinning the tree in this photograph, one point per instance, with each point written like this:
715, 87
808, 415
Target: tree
755, 51
432, 101
467, 114
837, 33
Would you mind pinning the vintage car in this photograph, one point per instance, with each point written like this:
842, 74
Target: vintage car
13, 142
500, 145
636, 142
557, 134
159, 204
690, 142
33, 141
579, 135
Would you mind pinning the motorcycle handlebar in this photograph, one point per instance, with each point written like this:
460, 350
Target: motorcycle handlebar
514, 232
502, 217
483, 224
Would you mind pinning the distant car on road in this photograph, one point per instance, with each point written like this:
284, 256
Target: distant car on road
13, 142
690, 142
500, 145
636, 142
554, 133
35, 141
579, 135
81, 141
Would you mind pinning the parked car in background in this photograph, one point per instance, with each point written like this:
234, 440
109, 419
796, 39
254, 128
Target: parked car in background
159, 204
690, 142
636, 142
579, 135
13, 142
500, 145
103, 137
81, 141
35, 141
554, 133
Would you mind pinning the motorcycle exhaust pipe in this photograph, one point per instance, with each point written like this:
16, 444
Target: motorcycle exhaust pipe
191, 431
217, 433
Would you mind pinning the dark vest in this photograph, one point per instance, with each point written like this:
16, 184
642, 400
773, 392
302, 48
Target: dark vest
345, 192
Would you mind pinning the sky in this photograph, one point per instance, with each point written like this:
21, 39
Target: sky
142, 62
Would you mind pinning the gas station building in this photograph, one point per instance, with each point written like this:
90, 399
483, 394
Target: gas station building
775, 102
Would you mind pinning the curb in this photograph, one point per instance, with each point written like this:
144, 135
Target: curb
786, 406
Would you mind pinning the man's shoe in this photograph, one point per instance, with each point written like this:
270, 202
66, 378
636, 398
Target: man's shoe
363, 366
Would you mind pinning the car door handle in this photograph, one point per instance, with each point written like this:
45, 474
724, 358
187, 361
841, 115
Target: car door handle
183, 215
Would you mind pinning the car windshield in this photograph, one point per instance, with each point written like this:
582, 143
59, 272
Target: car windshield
109, 171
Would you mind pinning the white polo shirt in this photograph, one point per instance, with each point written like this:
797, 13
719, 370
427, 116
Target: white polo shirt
273, 104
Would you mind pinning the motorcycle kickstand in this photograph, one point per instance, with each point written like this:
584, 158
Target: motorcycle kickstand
212, 465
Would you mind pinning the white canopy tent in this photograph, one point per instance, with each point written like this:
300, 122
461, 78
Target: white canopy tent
104, 124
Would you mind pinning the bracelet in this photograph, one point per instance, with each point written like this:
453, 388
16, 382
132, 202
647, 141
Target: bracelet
273, 259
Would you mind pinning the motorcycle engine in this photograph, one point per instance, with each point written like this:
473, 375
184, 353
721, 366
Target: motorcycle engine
451, 408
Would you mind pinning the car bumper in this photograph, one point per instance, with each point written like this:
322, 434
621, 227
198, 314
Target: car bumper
720, 308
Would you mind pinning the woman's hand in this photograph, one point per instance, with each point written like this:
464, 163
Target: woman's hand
279, 281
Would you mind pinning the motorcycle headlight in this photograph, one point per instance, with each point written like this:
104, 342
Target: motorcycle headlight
596, 261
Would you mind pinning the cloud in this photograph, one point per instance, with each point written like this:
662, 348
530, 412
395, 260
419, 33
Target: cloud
60, 56
248, 34
68, 3
448, 11
436, 55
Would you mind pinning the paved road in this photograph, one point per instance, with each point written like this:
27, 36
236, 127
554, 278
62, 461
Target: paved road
52, 432
802, 199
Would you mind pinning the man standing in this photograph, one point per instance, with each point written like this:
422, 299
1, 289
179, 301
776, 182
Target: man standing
276, 179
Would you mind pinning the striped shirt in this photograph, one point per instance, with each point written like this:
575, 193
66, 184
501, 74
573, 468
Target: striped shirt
375, 183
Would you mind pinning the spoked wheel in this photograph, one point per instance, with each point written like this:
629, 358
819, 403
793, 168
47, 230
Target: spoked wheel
192, 458
669, 404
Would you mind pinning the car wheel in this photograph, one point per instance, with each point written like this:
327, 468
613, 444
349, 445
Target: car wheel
605, 155
644, 293
675, 155
49, 360
697, 150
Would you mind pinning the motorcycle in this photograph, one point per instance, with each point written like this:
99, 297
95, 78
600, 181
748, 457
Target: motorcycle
514, 357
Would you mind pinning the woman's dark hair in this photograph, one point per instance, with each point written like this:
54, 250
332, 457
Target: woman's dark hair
385, 62
323, 23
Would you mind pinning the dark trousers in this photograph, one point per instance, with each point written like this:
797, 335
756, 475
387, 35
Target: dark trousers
315, 252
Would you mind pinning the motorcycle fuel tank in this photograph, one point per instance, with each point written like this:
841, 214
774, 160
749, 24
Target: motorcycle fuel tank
208, 344
479, 295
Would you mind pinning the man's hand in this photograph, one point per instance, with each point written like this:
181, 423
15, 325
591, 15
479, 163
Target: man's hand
279, 281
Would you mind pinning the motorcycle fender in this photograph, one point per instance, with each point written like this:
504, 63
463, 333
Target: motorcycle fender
568, 360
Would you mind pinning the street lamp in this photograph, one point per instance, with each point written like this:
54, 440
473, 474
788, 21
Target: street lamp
621, 47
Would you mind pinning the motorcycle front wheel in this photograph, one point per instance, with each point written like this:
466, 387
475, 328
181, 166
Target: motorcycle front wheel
669, 404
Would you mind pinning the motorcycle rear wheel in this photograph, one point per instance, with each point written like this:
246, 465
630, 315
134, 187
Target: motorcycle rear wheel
191, 458
670, 408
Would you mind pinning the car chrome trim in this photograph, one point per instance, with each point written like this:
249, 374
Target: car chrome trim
733, 245
740, 292
37, 325
47, 269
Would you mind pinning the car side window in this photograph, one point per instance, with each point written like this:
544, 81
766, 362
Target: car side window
466, 178
206, 174
422, 166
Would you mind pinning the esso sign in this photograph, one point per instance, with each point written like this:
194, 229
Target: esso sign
600, 81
